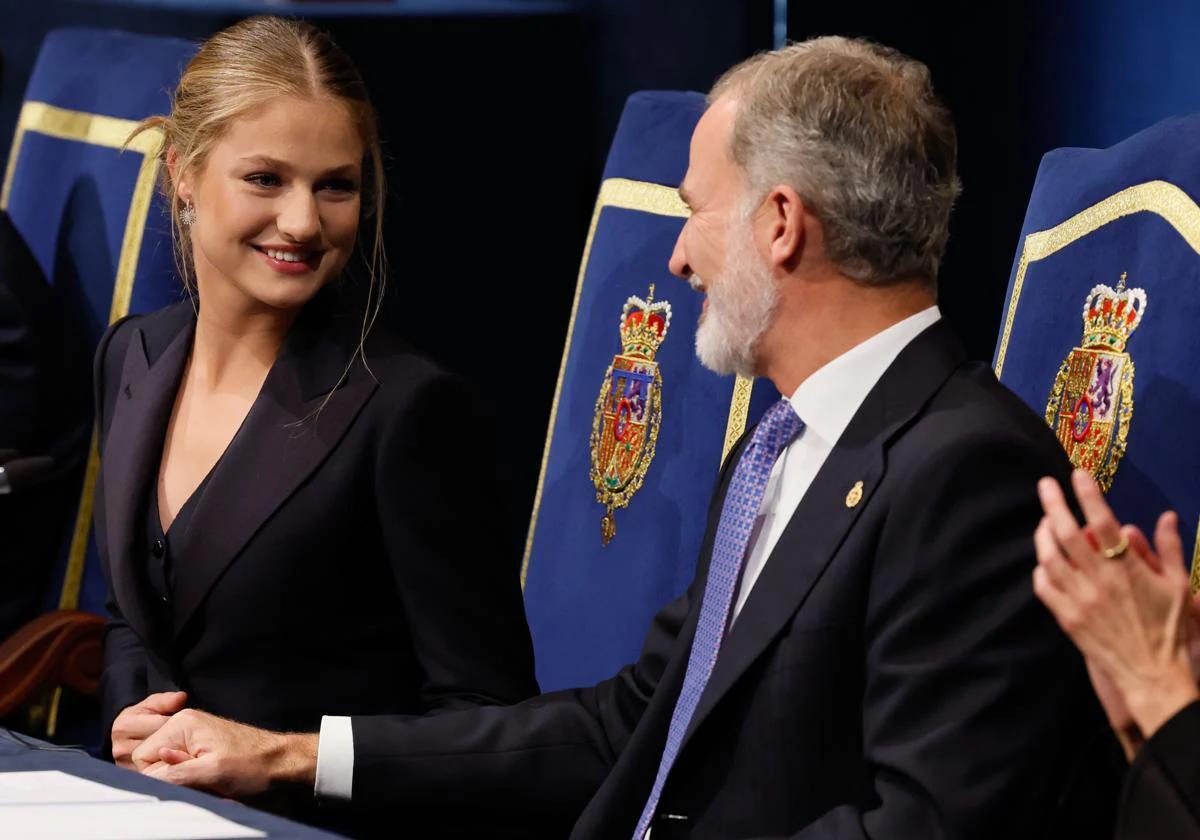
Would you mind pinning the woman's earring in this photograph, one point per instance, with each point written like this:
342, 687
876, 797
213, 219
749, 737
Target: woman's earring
187, 216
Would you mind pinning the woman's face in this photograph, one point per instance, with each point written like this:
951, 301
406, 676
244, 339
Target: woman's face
277, 204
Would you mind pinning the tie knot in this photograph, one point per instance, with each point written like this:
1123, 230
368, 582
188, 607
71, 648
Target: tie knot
778, 427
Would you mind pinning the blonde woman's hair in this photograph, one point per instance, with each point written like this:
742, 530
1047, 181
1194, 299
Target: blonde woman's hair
242, 68
857, 130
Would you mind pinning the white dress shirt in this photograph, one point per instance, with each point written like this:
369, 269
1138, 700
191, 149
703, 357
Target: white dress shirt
826, 402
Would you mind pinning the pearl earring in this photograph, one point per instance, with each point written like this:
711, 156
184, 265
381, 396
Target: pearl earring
187, 215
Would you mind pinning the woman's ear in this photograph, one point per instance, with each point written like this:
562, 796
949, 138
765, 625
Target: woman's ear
183, 188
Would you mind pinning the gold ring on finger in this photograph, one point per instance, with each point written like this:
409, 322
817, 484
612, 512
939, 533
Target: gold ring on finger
1117, 551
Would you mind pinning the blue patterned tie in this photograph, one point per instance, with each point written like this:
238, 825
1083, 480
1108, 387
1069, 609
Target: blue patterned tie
778, 427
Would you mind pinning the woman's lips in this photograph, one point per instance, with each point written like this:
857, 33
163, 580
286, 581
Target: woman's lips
304, 266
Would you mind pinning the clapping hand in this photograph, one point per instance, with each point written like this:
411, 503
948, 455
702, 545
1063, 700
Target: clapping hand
1127, 607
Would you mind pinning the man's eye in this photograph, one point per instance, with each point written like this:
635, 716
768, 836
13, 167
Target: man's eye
263, 179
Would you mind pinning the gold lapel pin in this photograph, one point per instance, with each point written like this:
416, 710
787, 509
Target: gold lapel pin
855, 495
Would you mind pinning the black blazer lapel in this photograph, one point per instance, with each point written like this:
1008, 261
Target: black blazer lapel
824, 518
153, 366
282, 440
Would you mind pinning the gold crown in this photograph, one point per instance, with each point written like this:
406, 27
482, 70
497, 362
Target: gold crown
644, 325
1111, 315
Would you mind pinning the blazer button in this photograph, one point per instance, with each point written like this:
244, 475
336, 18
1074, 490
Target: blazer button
158, 549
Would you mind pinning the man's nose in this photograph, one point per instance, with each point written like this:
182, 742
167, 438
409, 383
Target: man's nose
678, 264
299, 218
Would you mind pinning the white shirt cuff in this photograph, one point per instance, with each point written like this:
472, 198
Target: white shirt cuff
335, 759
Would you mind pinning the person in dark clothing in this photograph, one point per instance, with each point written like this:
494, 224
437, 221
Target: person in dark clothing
45, 411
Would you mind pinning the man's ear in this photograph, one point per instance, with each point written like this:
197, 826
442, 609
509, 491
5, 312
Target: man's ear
782, 215
183, 187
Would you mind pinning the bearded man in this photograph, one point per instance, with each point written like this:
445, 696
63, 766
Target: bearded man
860, 654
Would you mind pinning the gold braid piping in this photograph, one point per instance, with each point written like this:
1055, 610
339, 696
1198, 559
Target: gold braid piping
1160, 197
108, 132
614, 192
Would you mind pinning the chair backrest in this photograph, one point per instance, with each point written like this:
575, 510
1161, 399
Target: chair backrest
638, 428
1099, 327
90, 212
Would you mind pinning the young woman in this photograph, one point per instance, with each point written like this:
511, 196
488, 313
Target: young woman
294, 509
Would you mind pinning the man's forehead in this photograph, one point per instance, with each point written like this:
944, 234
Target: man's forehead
709, 150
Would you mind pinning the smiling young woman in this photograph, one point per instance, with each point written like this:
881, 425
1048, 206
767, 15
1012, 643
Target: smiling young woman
291, 514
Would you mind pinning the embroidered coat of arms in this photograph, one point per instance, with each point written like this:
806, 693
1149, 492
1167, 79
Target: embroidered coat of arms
1091, 402
629, 409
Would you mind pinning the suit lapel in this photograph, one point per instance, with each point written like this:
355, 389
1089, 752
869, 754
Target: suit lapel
824, 516
282, 440
153, 365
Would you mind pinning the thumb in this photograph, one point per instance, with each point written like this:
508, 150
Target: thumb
165, 702
172, 756
193, 773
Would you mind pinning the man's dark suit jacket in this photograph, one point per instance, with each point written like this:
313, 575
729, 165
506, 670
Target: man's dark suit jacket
345, 557
891, 674
45, 410
1161, 798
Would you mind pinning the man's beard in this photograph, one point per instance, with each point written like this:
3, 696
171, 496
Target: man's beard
741, 305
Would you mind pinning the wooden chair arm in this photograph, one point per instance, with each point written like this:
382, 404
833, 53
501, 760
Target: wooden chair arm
63, 647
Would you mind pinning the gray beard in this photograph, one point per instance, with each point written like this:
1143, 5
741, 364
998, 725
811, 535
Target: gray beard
741, 306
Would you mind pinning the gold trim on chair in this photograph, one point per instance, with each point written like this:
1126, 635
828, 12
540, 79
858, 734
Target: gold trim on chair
1159, 197
112, 133
648, 198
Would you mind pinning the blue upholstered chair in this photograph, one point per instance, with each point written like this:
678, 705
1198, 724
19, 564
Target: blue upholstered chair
1100, 324
92, 217
638, 428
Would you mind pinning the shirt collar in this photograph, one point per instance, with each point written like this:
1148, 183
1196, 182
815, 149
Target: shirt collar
831, 396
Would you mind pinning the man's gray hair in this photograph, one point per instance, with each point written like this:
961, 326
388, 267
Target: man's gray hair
856, 129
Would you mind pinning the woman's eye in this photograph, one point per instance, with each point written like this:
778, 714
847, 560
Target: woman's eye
263, 179
341, 185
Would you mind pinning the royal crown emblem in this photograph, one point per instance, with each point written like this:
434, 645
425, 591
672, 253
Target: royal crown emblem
1092, 400
629, 409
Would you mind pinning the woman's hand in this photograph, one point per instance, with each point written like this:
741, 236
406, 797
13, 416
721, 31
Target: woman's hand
138, 722
1127, 609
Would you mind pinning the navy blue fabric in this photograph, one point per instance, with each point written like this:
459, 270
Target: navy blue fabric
1162, 461
653, 136
589, 605
109, 72
16, 756
71, 200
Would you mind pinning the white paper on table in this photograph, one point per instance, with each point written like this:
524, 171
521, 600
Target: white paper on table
152, 820
48, 787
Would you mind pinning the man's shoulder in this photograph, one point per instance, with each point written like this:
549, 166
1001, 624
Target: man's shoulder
973, 409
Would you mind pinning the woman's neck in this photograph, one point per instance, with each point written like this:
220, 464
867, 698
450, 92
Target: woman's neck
236, 340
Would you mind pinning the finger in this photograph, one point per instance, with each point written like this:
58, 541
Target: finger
194, 773
1096, 511
1054, 598
1169, 545
1065, 529
1140, 546
171, 756
1050, 558
165, 702
147, 752
139, 727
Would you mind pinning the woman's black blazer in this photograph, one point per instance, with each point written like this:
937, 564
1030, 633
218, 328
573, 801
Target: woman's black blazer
346, 555
1161, 798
